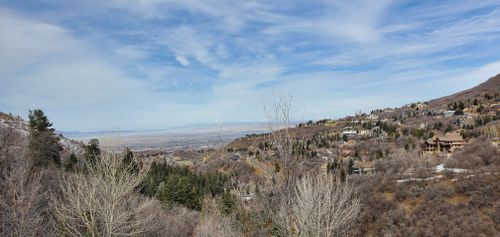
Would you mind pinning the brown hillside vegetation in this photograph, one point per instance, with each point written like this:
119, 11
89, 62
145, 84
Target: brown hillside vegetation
491, 86
454, 206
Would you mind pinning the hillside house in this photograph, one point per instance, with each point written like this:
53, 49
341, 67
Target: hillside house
235, 157
363, 167
350, 133
421, 106
448, 113
372, 117
447, 143
467, 121
365, 133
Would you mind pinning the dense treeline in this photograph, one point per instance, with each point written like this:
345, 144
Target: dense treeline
180, 185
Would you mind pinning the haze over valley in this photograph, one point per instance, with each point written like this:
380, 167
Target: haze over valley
186, 137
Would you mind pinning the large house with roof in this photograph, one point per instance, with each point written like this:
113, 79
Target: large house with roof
447, 143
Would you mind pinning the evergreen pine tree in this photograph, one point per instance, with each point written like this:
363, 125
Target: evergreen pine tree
350, 166
128, 160
44, 144
228, 202
92, 151
342, 175
71, 163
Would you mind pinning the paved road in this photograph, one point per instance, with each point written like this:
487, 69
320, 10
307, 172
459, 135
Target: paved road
267, 171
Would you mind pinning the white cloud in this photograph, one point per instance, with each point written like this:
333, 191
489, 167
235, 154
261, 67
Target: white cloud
132, 53
42, 65
186, 41
353, 21
182, 60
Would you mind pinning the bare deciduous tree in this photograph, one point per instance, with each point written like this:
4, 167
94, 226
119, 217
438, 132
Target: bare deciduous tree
104, 202
320, 207
279, 123
21, 201
21, 195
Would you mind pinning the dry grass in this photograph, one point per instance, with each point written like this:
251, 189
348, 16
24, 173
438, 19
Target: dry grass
458, 199
388, 196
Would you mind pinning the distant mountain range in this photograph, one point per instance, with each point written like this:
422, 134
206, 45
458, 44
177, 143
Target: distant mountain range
184, 129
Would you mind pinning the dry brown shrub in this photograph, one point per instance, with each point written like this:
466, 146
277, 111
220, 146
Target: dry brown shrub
477, 154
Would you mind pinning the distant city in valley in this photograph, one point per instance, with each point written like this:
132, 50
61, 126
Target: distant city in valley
187, 137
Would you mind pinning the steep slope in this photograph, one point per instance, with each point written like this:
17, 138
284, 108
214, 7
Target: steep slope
491, 86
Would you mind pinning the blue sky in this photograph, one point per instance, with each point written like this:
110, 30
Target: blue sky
146, 64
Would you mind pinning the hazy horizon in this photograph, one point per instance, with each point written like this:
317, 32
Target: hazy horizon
172, 139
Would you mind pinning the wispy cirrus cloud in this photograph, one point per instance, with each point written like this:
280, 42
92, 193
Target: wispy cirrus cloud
159, 63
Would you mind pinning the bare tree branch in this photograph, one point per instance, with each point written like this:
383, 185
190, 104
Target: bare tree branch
320, 207
104, 202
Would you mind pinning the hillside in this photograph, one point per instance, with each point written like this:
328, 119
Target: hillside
363, 138
491, 86
419, 167
18, 129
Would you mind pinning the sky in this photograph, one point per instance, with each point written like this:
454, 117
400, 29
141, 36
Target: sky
150, 64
